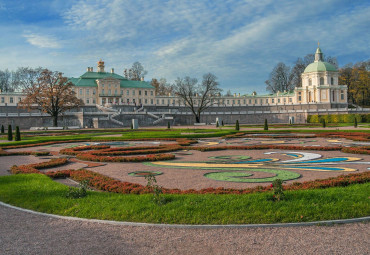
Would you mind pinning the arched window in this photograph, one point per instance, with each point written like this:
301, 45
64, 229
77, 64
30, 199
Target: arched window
332, 81
310, 82
322, 81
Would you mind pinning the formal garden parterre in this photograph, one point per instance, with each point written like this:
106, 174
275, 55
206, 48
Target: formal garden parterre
237, 163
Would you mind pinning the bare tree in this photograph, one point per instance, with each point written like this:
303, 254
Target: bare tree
279, 79
28, 77
52, 94
135, 73
162, 88
198, 97
5, 80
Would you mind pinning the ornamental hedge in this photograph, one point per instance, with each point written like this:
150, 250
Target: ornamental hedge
339, 118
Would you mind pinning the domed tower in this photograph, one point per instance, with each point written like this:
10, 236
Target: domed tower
101, 66
320, 84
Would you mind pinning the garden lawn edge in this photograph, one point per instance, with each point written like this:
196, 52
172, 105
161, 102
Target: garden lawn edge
141, 224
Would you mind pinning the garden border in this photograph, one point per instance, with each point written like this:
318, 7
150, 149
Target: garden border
187, 226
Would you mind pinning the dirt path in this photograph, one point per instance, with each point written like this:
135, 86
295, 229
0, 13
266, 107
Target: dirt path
26, 233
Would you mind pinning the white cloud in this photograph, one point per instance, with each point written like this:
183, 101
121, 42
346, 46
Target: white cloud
42, 41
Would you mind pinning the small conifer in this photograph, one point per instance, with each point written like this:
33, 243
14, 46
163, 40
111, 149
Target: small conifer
237, 128
355, 125
266, 127
2, 129
217, 125
168, 125
17, 134
10, 133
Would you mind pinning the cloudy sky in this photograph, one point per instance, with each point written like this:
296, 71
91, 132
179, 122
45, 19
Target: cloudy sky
239, 41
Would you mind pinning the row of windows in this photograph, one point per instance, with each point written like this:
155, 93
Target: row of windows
115, 92
11, 100
233, 101
322, 81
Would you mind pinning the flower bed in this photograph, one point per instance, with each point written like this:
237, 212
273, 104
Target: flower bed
357, 150
149, 157
19, 153
265, 147
34, 168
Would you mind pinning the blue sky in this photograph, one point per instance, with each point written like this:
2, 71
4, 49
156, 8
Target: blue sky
239, 41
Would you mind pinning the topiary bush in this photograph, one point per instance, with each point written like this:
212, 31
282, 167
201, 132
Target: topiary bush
17, 134
355, 124
266, 127
168, 125
2, 129
237, 128
10, 133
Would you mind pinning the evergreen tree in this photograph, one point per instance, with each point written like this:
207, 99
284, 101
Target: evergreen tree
355, 125
17, 134
10, 133
2, 129
237, 125
323, 123
266, 127
217, 125
168, 125
222, 123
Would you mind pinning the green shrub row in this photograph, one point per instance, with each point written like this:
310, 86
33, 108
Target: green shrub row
339, 118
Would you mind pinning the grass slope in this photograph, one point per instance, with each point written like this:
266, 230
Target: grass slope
38, 192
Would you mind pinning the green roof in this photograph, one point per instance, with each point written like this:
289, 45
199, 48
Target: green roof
320, 66
88, 79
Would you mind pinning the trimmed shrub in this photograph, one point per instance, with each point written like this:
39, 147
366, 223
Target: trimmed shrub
17, 134
10, 133
217, 125
237, 128
265, 127
323, 122
222, 123
355, 125
168, 125
2, 129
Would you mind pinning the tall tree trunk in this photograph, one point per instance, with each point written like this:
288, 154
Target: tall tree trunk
55, 120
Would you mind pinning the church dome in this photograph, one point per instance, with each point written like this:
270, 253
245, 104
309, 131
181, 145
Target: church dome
320, 67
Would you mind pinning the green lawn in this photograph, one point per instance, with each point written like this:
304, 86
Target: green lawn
38, 192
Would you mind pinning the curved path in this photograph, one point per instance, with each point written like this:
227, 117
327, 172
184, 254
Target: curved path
27, 233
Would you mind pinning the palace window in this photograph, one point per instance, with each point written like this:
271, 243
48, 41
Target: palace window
162, 101
322, 81
127, 92
342, 95
310, 82
151, 101
139, 92
87, 91
109, 92
278, 100
121, 91
272, 100
102, 91
146, 101
151, 93
290, 100
261, 102
332, 81
80, 91
94, 101
299, 96
244, 102
238, 101
145, 92
11, 100
133, 92
227, 101
250, 101
267, 101
94, 91
88, 101
255, 101
115, 92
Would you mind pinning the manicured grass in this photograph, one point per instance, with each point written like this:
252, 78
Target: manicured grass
126, 134
38, 192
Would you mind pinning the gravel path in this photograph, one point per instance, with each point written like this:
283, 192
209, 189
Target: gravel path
26, 233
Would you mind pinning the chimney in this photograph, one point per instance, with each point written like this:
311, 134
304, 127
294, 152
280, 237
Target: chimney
91, 69
234, 94
239, 95
142, 78
112, 70
88, 69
